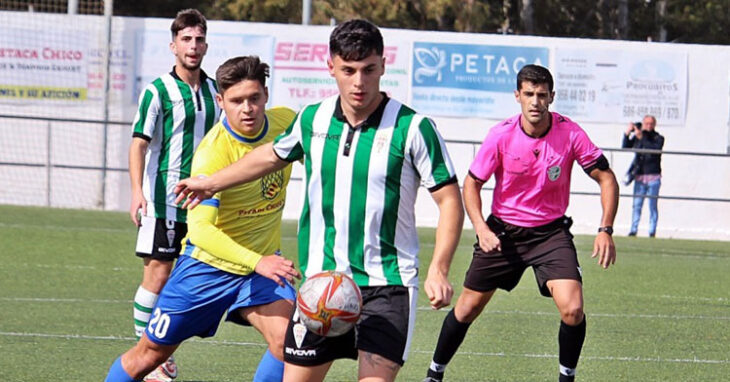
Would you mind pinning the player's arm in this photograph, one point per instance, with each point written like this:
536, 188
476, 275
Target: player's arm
207, 236
603, 245
488, 240
257, 163
143, 128
137, 151
448, 232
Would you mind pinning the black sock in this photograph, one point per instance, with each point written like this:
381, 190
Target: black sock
570, 341
565, 378
451, 337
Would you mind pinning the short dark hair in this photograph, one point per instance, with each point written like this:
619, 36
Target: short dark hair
536, 74
188, 18
241, 68
355, 40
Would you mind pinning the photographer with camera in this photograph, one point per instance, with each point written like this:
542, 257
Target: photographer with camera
646, 169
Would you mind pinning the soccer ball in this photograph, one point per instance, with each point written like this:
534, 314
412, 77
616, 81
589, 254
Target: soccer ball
329, 303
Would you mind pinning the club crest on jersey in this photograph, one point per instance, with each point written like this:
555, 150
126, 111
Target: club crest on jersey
272, 184
554, 173
380, 142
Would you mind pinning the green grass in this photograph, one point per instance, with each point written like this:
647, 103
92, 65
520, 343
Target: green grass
662, 313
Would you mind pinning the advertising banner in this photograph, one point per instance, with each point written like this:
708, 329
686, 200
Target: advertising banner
155, 58
613, 86
301, 76
39, 65
468, 80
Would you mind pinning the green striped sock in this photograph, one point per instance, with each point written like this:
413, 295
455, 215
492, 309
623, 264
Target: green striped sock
144, 301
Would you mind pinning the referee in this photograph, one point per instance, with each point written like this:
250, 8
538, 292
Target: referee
531, 156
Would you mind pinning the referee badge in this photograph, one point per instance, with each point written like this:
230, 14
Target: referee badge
554, 173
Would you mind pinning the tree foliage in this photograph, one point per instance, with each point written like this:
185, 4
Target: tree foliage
692, 21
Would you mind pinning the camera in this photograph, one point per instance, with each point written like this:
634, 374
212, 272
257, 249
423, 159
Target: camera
637, 125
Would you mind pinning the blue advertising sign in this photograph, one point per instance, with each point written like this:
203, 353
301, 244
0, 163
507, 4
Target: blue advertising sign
466, 80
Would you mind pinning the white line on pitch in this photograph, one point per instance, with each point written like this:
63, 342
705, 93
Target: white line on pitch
49, 227
666, 296
483, 354
612, 315
422, 308
77, 267
117, 338
585, 357
82, 300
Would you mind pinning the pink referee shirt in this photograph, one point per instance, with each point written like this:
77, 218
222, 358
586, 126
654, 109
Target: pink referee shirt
532, 174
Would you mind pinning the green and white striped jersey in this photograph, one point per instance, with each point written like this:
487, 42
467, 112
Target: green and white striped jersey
360, 189
173, 118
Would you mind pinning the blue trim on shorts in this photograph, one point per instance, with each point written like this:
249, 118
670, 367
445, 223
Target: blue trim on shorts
197, 295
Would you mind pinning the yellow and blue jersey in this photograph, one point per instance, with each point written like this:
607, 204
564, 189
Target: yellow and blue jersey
236, 227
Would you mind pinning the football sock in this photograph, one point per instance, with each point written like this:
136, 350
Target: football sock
570, 341
270, 369
451, 336
117, 373
144, 301
566, 375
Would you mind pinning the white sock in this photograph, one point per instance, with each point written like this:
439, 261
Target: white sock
144, 301
567, 371
437, 367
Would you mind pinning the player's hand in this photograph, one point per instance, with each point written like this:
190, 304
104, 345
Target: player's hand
488, 241
276, 267
604, 248
438, 290
137, 206
191, 191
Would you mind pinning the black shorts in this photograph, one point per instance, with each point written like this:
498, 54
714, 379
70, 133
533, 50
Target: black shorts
160, 239
548, 249
384, 328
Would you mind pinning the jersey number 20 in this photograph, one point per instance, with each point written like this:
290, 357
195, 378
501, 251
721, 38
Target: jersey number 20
159, 324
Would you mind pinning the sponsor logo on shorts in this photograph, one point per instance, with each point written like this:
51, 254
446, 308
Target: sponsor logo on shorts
165, 250
580, 271
301, 352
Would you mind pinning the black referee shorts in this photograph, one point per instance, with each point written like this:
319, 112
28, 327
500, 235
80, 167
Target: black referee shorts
548, 249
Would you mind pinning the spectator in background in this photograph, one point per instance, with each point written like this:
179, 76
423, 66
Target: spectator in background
647, 169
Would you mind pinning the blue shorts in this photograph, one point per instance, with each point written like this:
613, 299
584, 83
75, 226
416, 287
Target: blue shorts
197, 295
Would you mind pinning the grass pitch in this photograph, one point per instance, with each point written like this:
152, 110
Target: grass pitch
662, 313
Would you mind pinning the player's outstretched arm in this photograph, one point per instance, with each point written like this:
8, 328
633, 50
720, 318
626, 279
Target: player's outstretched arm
276, 267
257, 163
488, 240
448, 232
603, 246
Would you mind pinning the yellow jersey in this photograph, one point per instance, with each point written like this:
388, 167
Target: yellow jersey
236, 227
